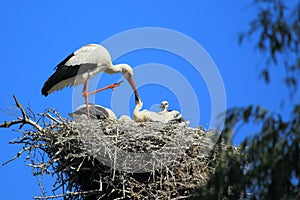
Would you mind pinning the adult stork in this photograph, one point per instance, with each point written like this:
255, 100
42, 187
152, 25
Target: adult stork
80, 66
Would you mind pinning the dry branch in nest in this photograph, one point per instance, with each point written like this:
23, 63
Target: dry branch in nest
113, 159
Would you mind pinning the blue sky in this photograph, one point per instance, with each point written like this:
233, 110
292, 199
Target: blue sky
37, 35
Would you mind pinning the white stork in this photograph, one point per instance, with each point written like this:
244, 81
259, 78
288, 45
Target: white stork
164, 106
171, 115
125, 118
146, 115
81, 66
96, 112
138, 115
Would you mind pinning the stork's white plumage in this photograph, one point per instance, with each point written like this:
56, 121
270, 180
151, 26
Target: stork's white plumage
96, 112
146, 115
125, 118
81, 66
138, 115
164, 106
171, 115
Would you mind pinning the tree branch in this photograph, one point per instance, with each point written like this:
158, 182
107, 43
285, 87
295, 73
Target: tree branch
21, 120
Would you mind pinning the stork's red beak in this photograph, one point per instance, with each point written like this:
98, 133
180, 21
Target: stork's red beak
132, 84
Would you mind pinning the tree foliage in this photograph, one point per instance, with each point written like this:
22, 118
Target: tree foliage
276, 31
267, 164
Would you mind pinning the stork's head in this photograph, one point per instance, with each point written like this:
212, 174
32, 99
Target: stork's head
164, 105
127, 72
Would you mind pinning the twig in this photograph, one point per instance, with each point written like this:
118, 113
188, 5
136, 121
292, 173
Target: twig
17, 156
24, 120
53, 119
68, 194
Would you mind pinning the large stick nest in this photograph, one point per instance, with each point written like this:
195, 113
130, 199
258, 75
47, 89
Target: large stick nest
113, 159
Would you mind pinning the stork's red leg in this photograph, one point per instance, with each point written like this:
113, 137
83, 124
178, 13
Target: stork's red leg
86, 96
112, 86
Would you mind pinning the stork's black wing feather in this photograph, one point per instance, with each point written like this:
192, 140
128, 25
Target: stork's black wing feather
64, 72
62, 63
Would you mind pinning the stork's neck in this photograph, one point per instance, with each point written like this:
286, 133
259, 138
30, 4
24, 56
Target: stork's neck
138, 107
112, 69
118, 68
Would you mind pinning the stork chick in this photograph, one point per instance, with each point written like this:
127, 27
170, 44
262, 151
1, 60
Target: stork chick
146, 115
172, 116
96, 112
140, 116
